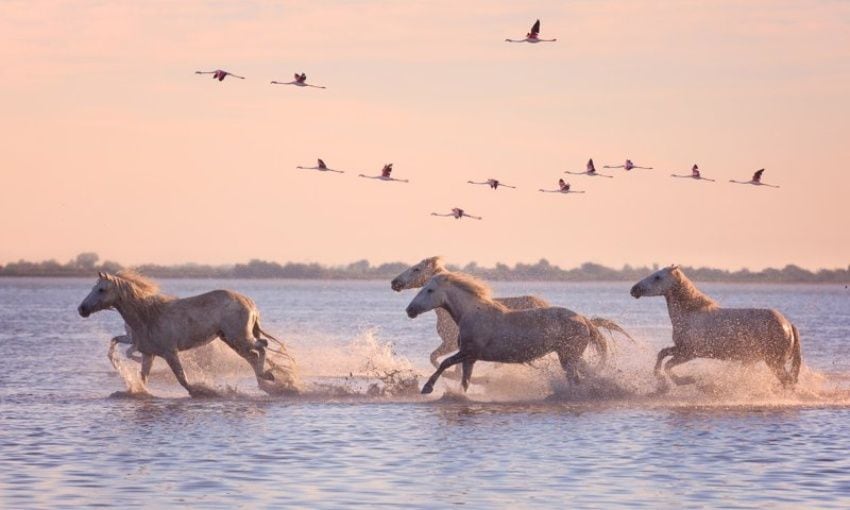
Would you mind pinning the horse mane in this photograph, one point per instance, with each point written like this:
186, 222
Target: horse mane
135, 283
437, 263
689, 297
134, 287
472, 285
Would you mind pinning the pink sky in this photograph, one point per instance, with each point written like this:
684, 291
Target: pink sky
111, 144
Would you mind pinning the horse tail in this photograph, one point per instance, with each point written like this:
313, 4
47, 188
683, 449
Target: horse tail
796, 354
611, 326
600, 343
259, 333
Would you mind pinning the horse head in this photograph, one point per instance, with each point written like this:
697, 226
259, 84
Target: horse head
658, 283
432, 296
103, 295
418, 275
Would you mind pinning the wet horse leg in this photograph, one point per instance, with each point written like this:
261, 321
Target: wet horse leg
678, 359
568, 364
451, 360
147, 363
441, 351
778, 369
174, 363
467, 373
123, 339
252, 351
663, 353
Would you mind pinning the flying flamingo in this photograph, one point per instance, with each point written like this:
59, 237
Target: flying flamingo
563, 187
756, 180
628, 165
533, 36
385, 174
322, 167
457, 213
493, 183
693, 175
299, 81
591, 171
219, 75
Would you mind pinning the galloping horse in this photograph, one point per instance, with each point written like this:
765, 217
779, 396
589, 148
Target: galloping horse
489, 331
418, 275
161, 325
702, 329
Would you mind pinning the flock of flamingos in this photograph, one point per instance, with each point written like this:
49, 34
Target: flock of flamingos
470, 322
564, 187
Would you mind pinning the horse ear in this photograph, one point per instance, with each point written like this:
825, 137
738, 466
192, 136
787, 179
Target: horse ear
674, 266
101, 275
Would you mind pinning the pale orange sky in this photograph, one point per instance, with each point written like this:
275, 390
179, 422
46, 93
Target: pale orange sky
111, 144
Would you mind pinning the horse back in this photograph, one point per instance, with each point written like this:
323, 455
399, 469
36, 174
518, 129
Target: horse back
210, 313
735, 333
522, 302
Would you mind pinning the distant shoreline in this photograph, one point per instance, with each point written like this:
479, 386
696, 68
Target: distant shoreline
88, 264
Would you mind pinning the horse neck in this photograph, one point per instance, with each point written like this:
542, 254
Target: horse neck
460, 303
138, 313
684, 297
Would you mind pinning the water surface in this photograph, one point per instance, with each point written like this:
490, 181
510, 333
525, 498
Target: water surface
524, 438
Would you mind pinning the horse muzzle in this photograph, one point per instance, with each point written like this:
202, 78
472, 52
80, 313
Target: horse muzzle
636, 292
84, 312
412, 312
396, 285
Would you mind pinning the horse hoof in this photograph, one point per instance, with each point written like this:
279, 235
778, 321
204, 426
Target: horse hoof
427, 389
203, 392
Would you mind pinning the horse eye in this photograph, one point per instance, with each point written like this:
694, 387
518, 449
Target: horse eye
416, 270
430, 291
657, 277
100, 290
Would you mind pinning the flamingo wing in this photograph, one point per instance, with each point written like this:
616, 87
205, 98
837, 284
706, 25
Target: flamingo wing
535, 28
757, 175
322, 163
387, 170
590, 167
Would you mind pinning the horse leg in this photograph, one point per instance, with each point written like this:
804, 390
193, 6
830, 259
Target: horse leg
123, 339
467, 373
663, 353
678, 359
451, 360
441, 351
779, 371
569, 366
174, 363
131, 354
147, 364
252, 351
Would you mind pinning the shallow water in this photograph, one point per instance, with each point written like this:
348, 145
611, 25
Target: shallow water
735, 439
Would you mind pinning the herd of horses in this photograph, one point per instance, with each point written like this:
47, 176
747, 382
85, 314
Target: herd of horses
469, 321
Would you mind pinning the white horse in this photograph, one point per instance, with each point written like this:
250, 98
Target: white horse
702, 329
418, 275
161, 325
489, 331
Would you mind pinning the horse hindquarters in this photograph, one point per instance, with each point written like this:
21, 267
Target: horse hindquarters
786, 377
796, 355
